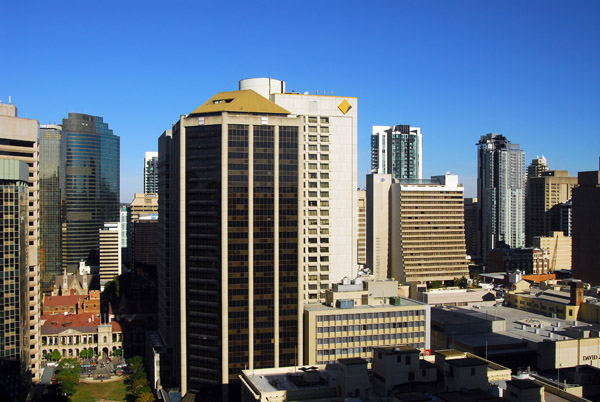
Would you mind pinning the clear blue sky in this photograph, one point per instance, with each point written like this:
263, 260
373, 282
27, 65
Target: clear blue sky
458, 69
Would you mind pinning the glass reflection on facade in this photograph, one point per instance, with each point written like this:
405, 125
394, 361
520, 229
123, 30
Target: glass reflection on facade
92, 185
52, 181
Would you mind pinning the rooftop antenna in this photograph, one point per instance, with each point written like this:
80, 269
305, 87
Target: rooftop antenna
9, 100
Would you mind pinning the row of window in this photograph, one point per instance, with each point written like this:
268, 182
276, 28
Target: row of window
369, 316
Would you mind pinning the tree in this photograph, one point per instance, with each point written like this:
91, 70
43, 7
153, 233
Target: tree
68, 375
436, 284
56, 356
145, 397
118, 352
83, 354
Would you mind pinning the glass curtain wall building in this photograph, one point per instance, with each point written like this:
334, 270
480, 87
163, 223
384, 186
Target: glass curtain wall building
92, 185
397, 150
500, 192
52, 182
151, 172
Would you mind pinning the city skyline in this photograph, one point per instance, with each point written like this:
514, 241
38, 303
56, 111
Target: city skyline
524, 70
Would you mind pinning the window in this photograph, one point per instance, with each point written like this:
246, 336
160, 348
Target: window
324, 138
312, 148
324, 120
312, 129
324, 175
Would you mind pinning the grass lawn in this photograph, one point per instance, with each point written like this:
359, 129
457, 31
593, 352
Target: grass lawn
112, 391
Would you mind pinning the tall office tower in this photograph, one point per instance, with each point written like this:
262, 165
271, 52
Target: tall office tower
586, 220
233, 233
501, 192
19, 141
472, 236
92, 185
110, 251
545, 193
378, 231
151, 172
14, 304
427, 241
167, 271
537, 167
52, 189
361, 238
397, 150
329, 185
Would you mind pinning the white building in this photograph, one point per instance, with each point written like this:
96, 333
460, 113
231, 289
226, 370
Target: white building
330, 181
110, 251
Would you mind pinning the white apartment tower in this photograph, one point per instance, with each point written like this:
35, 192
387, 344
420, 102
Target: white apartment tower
330, 180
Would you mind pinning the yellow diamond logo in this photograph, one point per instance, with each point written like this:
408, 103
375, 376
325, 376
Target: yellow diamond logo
344, 106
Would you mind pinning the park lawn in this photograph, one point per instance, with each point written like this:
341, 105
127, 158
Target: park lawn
111, 391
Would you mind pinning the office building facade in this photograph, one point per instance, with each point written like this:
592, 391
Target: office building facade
500, 192
52, 189
362, 228
586, 220
109, 238
151, 172
92, 187
545, 194
427, 233
472, 235
19, 142
14, 304
231, 239
329, 138
397, 150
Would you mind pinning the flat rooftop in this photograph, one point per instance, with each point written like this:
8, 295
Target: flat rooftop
520, 325
280, 379
403, 303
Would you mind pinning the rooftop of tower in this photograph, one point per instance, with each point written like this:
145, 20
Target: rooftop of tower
245, 101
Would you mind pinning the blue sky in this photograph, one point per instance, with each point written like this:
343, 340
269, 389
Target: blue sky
458, 69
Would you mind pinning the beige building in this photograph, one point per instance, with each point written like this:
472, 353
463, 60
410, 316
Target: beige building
329, 182
19, 140
427, 233
110, 251
143, 205
360, 316
378, 233
361, 237
544, 195
558, 246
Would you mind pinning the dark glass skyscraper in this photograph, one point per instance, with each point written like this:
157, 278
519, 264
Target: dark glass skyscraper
92, 185
52, 185
229, 243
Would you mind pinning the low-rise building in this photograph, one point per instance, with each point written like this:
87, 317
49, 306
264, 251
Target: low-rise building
70, 334
454, 296
529, 261
554, 303
360, 316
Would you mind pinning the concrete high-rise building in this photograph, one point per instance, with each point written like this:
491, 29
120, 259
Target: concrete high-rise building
361, 238
545, 194
110, 251
427, 230
19, 141
151, 172
229, 240
144, 205
472, 235
378, 231
329, 154
52, 190
397, 150
586, 221
537, 167
500, 192
14, 263
92, 185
